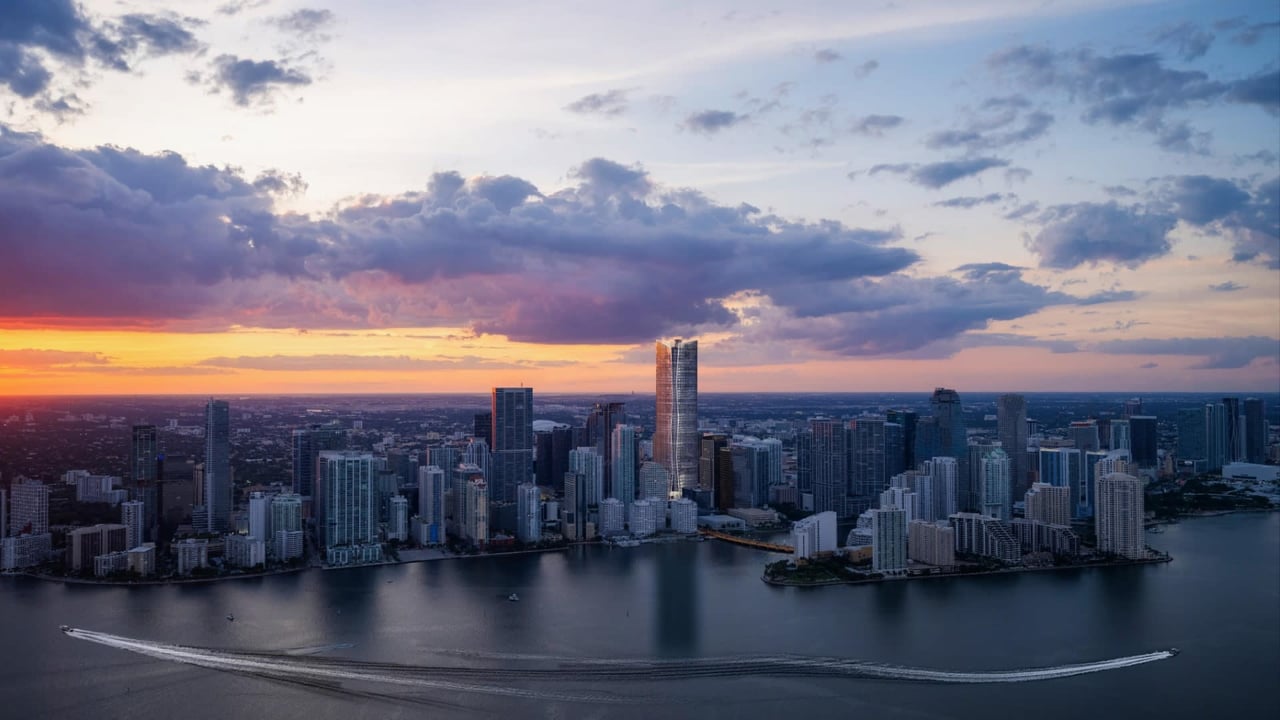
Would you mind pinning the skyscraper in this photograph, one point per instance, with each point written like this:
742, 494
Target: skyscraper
624, 455
217, 465
260, 516
528, 513
1235, 436
512, 441
867, 461
476, 523
676, 436
1011, 430
889, 540
588, 463
1121, 436
1084, 435
1191, 439
143, 453
1215, 436
349, 518
132, 516
1120, 513
1049, 504
601, 421
28, 507
750, 462
995, 484
937, 487
1144, 440
907, 419
1255, 431
655, 482
431, 490
1063, 467
575, 505
829, 465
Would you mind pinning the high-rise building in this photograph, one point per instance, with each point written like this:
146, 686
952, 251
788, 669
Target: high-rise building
676, 437
398, 518
1120, 515
804, 462
889, 540
1132, 406
1235, 436
1215, 436
1255, 431
995, 484
1084, 435
952, 436
465, 473
978, 534
286, 526
552, 461
431, 501
28, 507
936, 484
349, 517
260, 516
624, 451
477, 512
1121, 436
133, 517
866, 461
191, 554
482, 427
903, 499
601, 421
575, 505
1144, 438
1049, 504
244, 551
1011, 430
84, 544
750, 465
588, 463
512, 441
654, 482
684, 516
612, 517
907, 420
528, 513
144, 452
646, 515
1191, 435
4, 513
708, 459
931, 543
774, 448
1063, 467
307, 444
814, 534
829, 465
218, 492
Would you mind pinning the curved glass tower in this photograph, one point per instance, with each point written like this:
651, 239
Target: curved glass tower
675, 436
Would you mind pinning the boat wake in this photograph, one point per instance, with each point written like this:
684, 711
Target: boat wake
493, 673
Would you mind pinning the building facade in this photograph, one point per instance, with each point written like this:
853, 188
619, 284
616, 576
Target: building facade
676, 436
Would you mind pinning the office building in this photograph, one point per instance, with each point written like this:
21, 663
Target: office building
482, 427
431, 502
946, 436
866, 461
553, 446
1120, 514
709, 460
1084, 435
1121, 436
624, 454
829, 465
1191, 433
132, 516
889, 540
1063, 467
144, 454
931, 543
603, 418
1144, 437
218, 490
804, 462
676, 436
1011, 430
84, 544
655, 481
260, 516
575, 506
1049, 504
28, 507
814, 534
1255, 431
528, 513
588, 463
1234, 434
612, 517
1215, 436
512, 445
905, 419
995, 484
750, 465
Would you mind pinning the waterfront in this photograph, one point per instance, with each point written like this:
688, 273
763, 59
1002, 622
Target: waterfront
1217, 602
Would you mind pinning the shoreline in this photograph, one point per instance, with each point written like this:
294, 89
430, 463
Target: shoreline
931, 576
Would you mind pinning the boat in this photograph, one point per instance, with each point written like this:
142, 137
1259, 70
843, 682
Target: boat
231, 617
513, 597
1157, 529
65, 628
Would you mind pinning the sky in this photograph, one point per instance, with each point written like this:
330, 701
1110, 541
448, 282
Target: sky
266, 196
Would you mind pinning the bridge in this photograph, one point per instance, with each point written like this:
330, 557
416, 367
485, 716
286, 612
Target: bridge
747, 542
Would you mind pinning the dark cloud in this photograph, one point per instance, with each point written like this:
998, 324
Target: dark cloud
1190, 40
1249, 215
1108, 296
940, 174
613, 102
238, 6
111, 236
1251, 34
1222, 353
970, 202
254, 81
875, 125
372, 363
31, 27
1091, 233
826, 55
1262, 90
866, 68
306, 23
156, 35
277, 182
995, 126
1228, 286
709, 122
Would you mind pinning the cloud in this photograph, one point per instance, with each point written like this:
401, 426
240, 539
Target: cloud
1091, 233
157, 35
371, 363
1108, 296
33, 358
254, 81
238, 6
995, 126
875, 125
1221, 353
611, 103
1133, 89
970, 202
1190, 40
709, 122
306, 23
1148, 366
111, 236
1228, 286
826, 55
940, 174
1248, 214
1251, 34
866, 69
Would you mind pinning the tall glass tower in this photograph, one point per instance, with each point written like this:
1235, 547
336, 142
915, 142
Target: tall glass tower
512, 432
217, 465
675, 435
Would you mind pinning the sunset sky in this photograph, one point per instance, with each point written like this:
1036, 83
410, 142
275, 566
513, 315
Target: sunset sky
263, 196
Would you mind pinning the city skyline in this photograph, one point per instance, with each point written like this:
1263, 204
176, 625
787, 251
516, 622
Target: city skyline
282, 197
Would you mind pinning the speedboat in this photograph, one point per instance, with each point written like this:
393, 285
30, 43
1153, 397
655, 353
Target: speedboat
65, 628
513, 597
231, 617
